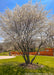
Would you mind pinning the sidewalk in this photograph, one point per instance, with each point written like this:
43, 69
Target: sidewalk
6, 57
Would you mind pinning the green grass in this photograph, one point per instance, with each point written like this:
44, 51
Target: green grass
45, 60
4, 54
14, 69
11, 66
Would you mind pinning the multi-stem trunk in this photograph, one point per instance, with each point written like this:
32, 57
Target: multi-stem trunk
28, 59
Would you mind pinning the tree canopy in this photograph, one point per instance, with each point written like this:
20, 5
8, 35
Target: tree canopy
27, 27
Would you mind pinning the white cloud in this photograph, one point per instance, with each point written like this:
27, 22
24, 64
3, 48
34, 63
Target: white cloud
1, 41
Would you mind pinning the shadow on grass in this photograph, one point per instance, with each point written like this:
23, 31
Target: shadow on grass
15, 69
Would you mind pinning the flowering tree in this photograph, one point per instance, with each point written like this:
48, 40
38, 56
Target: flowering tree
24, 26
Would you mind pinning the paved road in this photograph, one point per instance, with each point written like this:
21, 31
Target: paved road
6, 57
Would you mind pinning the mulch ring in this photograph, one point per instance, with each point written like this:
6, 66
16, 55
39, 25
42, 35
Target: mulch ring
31, 66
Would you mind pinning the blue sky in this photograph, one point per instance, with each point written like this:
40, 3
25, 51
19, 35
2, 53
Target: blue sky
4, 4
1, 39
12, 3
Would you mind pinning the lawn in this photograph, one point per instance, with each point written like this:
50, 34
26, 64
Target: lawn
11, 66
4, 54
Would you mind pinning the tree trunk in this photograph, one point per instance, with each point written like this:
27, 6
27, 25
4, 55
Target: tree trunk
28, 60
37, 52
24, 58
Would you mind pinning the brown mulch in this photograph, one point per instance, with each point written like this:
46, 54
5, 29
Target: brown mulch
31, 66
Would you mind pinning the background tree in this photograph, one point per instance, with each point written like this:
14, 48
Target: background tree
24, 25
1, 48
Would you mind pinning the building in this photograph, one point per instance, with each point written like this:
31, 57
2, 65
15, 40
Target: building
46, 52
